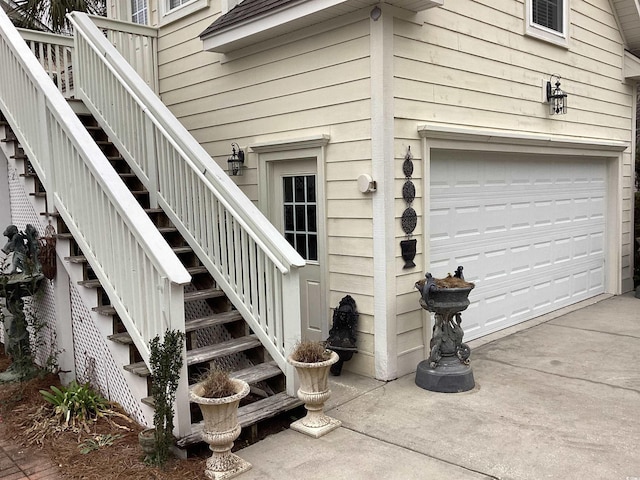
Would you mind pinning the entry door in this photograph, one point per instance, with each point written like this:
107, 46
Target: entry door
295, 212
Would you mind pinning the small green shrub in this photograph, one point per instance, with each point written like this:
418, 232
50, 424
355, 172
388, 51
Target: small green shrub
76, 403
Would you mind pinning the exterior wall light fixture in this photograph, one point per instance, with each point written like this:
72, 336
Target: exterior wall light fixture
235, 160
556, 97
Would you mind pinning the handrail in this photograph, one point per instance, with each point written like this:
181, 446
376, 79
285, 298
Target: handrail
248, 257
122, 245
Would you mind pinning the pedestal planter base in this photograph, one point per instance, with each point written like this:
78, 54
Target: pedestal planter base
316, 432
233, 466
450, 376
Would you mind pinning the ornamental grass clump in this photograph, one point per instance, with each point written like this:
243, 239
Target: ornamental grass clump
307, 351
216, 384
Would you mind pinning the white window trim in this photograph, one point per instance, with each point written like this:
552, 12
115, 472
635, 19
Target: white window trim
167, 16
547, 34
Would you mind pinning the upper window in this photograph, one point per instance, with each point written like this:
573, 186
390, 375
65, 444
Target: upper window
139, 12
548, 13
548, 20
171, 10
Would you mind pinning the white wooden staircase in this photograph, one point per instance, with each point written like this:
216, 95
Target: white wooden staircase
219, 273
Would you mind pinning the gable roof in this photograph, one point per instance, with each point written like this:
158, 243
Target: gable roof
628, 14
252, 21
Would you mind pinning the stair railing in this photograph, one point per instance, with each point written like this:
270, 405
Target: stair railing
138, 270
54, 53
247, 256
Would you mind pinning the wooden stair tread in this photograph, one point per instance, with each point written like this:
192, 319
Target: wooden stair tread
122, 338
76, 259
196, 270
166, 229
190, 325
104, 310
204, 354
258, 373
248, 415
183, 249
203, 294
212, 320
93, 283
222, 349
64, 235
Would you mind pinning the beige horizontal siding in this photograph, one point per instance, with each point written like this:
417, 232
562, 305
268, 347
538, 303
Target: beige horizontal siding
470, 64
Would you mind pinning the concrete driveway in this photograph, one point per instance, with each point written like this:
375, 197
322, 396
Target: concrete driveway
556, 398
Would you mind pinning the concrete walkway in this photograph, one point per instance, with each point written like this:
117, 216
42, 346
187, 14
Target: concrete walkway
556, 398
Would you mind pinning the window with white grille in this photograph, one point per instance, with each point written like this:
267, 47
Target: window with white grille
140, 12
548, 20
299, 209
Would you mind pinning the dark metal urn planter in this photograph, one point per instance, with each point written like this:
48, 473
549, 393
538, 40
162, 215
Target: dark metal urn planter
447, 369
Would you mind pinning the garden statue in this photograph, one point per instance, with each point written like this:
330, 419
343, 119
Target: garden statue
342, 336
447, 368
20, 277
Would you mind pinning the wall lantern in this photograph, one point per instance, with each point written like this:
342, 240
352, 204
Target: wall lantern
235, 160
557, 98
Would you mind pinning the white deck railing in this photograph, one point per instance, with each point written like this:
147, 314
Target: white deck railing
138, 270
249, 259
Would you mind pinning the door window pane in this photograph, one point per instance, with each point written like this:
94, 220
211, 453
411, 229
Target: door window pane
300, 210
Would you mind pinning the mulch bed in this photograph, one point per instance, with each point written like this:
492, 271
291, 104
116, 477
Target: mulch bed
24, 412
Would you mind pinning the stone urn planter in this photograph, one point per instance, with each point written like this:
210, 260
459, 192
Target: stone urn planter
314, 392
147, 442
220, 429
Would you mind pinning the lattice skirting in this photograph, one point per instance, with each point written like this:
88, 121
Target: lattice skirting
93, 360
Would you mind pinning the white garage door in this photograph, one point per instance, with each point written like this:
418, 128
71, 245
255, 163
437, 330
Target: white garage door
529, 231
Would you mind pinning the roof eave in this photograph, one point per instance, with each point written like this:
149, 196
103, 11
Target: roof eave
285, 19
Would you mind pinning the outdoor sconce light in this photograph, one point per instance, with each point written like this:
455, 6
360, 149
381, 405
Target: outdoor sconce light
557, 98
235, 160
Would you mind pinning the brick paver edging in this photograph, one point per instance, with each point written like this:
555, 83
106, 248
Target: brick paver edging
18, 463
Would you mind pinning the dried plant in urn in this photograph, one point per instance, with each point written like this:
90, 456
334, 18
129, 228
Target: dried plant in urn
312, 362
218, 397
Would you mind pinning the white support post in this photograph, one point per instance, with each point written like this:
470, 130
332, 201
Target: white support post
292, 328
383, 169
64, 323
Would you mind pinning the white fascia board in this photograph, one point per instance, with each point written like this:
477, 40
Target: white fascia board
446, 132
224, 38
631, 66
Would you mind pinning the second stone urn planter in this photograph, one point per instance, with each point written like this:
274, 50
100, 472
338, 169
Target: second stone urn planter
220, 429
314, 392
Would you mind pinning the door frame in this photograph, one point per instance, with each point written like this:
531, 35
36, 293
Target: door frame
270, 153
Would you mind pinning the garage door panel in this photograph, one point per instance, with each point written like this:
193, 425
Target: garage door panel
530, 234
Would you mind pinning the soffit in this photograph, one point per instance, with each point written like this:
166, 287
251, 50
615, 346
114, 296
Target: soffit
253, 21
628, 13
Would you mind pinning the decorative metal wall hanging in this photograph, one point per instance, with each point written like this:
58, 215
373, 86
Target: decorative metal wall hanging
409, 218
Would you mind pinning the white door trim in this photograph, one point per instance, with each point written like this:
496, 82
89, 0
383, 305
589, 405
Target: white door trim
291, 150
436, 137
